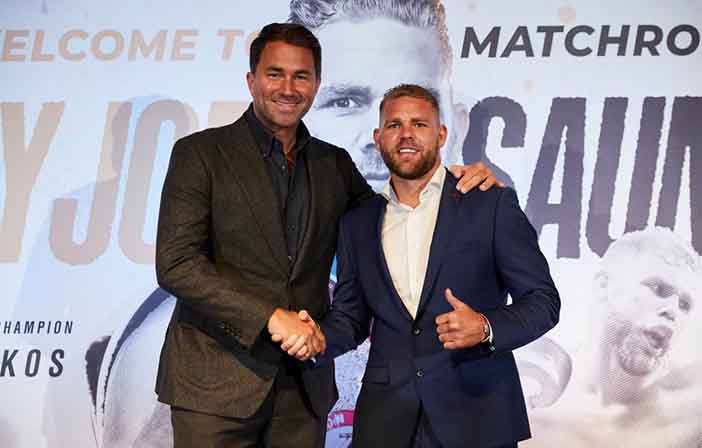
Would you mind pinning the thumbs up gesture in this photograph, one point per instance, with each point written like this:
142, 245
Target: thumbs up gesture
460, 328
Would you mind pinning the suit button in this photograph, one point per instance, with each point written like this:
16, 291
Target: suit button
416, 331
420, 373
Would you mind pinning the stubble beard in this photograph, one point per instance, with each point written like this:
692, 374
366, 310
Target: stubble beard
633, 355
410, 171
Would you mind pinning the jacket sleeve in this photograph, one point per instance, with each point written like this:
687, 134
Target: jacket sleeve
184, 265
356, 185
524, 271
347, 323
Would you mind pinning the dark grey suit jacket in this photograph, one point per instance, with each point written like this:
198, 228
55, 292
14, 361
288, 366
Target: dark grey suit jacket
221, 251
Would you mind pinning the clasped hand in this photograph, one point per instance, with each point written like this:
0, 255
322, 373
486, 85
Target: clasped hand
298, 334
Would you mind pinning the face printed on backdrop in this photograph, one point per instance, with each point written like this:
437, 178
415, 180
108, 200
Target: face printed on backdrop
356, 73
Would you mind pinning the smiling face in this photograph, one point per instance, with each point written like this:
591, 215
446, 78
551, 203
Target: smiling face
283, 86
409, 137
649, 301
362, 60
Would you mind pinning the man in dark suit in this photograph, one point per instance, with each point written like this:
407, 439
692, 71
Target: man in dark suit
246, 236
430, 285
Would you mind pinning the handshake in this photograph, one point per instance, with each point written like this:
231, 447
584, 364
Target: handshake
298, 334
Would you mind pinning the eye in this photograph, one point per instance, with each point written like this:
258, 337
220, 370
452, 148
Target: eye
659, 287
345, 102
302, 76
685, 303
420, 125
392, 125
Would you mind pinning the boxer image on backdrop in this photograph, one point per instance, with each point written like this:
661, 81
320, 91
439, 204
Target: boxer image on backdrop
637, 380
426, 272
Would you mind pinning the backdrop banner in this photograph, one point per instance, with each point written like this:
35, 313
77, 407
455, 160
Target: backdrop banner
591, 110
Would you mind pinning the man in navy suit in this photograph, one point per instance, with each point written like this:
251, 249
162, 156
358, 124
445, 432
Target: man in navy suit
426, 271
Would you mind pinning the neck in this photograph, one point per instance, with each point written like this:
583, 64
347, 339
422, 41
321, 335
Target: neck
408, 190
286, 135
623, 388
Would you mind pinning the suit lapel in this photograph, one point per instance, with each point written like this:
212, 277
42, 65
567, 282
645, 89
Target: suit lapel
377, 241
246, 161
445, 221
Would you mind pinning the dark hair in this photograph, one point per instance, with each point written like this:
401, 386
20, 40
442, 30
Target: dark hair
411, 90
290, 33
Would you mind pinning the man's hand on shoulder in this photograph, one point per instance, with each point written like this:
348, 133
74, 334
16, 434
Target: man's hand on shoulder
470, 176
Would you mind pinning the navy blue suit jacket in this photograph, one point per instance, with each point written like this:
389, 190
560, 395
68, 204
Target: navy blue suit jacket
483, 248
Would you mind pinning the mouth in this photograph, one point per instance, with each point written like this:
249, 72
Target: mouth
659, 337
372, 167
403, 149
288, 105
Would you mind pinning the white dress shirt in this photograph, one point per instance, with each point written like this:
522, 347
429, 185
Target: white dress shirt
407, 234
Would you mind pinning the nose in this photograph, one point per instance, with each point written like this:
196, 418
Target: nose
407, 131
669, 310
363, 131
287, 86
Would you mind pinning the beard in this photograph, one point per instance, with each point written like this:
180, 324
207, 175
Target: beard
410, 171
635, 355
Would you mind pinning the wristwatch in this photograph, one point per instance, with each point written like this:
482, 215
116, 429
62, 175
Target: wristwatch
486, 329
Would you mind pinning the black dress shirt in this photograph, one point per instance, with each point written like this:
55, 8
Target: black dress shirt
290, 181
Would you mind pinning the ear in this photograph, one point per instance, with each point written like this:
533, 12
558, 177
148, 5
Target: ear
317, 83
250, 82
599, 285
443, 134
459, 123
376, 138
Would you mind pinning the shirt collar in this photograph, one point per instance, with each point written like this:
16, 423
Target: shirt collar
264, 138
436, 183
